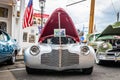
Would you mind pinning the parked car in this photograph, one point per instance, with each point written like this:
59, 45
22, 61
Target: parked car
109, 49
58, 47
8, 48
91, 40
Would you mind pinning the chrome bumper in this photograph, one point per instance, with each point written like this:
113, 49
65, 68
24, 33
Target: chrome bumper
55, 62
112, 56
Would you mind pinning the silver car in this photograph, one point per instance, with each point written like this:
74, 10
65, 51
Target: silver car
59, 47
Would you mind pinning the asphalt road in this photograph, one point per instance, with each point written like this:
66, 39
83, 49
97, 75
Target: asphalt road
108, 71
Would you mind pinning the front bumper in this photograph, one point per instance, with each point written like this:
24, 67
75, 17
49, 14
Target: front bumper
52, 61
109, 56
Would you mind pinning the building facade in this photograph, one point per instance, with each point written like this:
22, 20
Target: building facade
8, 16
11, 20
29, 35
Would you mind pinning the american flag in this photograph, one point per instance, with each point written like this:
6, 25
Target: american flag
28, 15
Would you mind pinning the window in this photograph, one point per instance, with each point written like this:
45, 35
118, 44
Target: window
18, 13
34, 20
3, 12
1, 36
4, 36
25, 34
31, 38
91, 38
3, 26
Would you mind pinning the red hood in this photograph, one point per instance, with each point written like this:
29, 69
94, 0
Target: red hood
65, 22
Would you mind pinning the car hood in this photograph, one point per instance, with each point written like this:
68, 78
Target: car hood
65, 23
111, 30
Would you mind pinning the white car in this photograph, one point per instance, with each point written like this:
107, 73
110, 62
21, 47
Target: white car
58, 47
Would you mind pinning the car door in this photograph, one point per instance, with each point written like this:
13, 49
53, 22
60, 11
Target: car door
5, 46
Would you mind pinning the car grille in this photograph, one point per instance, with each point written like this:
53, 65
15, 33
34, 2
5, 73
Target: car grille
52, 59
115, 54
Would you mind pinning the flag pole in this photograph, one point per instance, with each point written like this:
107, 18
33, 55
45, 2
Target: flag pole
60, 51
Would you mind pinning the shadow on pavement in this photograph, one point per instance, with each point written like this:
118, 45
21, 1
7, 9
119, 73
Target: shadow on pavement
111, 64
57, 73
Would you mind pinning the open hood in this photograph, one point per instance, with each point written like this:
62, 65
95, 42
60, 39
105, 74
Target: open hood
111, 30
59, 19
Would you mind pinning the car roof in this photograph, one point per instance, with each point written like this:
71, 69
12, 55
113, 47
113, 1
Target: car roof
65, 22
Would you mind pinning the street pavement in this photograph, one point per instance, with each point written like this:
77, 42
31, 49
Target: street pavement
18, 64
19, 58
100, 73
107, 71
7, 76
5, 70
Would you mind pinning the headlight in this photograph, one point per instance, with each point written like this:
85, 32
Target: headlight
34, 50
85, 50
105, 45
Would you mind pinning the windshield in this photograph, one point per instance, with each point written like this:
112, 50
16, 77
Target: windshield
93, 37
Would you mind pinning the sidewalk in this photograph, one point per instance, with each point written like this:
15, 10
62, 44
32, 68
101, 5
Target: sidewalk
7, 75
19, 58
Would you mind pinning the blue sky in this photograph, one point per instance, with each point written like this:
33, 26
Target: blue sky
105, 11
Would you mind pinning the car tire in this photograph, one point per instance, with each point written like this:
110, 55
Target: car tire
29, 70
12, 60
88, 71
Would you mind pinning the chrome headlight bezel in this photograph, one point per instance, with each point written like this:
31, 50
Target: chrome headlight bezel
34, 50
85, 50
105, 45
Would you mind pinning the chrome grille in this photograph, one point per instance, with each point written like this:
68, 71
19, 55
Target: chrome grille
110, 54
52, 59
69, 59
114, 54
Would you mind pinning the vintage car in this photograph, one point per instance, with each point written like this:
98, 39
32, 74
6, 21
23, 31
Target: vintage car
109, 49
58, 47
8, 48
91, 40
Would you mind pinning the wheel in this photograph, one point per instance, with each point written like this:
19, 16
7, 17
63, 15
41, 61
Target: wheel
87, 70
29, 70
12, 60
